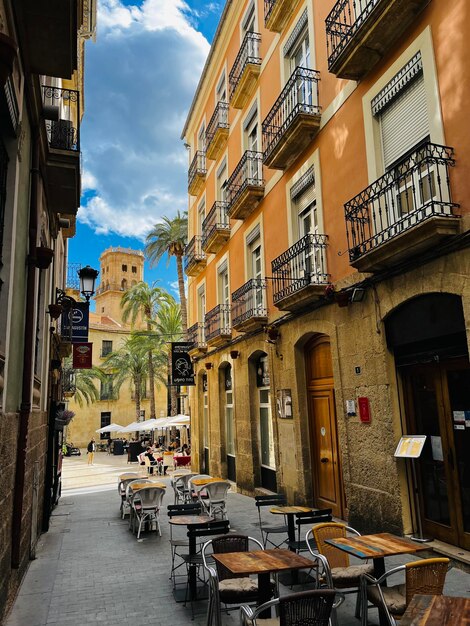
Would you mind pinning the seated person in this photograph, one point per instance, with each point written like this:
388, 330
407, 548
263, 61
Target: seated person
151, 458
185, 449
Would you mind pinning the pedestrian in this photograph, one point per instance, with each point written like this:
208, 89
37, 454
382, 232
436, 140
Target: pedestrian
91, 452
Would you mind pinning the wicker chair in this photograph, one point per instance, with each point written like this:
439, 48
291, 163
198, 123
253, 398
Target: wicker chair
341, 574
426, 576
122, 486
181, 488
225, 587
146, 506
130, 494
216, 503
308, 607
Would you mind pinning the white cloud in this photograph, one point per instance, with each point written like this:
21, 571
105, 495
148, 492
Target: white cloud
141, 77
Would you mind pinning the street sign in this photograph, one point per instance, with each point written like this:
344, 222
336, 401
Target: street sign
182, 372
82, 356
77, 316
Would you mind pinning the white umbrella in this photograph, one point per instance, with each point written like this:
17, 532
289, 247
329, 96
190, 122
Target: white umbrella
149, 424
131, 427
179, 420
112, 428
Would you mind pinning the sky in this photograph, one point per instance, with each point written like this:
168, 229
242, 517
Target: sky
140, 78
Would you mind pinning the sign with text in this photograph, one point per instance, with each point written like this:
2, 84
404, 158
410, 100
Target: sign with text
82, 356
182, 372
410, 446
77, 317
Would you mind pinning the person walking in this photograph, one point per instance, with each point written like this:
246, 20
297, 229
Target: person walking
91, 452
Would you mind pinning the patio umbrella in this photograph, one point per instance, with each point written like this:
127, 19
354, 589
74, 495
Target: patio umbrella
149, 424
179, 420
131, 427
112, 428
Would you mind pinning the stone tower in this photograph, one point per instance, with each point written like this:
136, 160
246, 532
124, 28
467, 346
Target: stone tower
120, 269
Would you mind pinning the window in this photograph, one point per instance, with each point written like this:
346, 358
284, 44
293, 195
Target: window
306, 220
229, 423
255, 266
221, 91
102, 309
223, 288
124, 268
297, 54
134, 269
106, 392
249, 21
201, 309
201, 214
201, 138
106, 347
123, 284
3, 190
105, 421
221, 180
265, 417
252, 143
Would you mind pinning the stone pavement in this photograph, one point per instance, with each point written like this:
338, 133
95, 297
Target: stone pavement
90, 569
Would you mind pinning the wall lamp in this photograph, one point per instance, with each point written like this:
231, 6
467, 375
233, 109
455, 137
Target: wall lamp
208, 366
234, 354
358, 294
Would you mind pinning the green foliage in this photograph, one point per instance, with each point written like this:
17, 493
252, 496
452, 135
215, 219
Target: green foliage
86, 391
167, 237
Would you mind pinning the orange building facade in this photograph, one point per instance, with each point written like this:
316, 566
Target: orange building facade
327, 259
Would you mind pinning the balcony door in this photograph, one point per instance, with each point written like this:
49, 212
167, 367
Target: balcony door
307, 224
252, 144
224, 297
300, 57
438, 406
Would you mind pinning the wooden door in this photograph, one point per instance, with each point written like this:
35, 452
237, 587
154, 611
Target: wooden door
326, 465
437, 405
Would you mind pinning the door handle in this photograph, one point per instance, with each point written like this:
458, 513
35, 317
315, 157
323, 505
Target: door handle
324, 460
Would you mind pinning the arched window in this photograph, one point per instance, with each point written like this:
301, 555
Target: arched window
266, 435
123, 284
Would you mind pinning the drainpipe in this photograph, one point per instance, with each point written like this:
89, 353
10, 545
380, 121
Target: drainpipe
28, 360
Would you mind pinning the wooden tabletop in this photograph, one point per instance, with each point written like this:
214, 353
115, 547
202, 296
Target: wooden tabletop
437, 611
376, 546
128, 476
205, 481
289, 510
143, 485
262, 561
190, 520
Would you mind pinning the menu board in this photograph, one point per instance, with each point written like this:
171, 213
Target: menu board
410, 446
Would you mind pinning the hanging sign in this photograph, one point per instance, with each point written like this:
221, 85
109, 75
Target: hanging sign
410, 446
77, 317
82, 356
182, 372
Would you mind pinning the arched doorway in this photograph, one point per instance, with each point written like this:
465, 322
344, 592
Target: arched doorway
326, 463
427, 335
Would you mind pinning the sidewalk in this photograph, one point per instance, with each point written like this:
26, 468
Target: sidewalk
91, 570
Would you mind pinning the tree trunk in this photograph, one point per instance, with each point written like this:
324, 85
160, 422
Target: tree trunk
151, 384
137, 384
184, 312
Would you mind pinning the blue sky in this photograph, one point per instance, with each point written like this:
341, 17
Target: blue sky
141, 74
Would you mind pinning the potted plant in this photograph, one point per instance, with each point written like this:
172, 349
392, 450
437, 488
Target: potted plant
8, 50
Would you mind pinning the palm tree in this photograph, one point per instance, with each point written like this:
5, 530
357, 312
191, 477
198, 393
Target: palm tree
169, 327
86, 391
141, 299
170, 236
128, 363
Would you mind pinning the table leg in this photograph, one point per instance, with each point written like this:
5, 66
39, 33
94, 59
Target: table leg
291, 530
192, 569
264, 592
379, 570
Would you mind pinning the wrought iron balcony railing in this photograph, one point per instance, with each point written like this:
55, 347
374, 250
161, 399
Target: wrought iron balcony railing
197, 169
248, 173
249, 302
216, 221
414, 191
302, 265
61, 110
268, 9
299, 96
194, 253
218, 323
196, 336
248, 54
218, 121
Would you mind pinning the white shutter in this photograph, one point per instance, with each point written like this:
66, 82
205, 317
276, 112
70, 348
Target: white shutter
404, 122
306, 198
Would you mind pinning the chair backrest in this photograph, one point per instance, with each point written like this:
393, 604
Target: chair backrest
194, 477
426, 577
123, 484
167, 458
230, 543
331, 530
209, 529
129, 489
308, 607
276, 499
217, 491
182, 481
151, 497
184, 509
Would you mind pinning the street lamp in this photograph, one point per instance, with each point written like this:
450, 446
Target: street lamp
87, 276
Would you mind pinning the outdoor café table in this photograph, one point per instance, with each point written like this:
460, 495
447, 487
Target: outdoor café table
127, 476
199, 482
376, 547
437, 611
188, 521
263, 563
153, 483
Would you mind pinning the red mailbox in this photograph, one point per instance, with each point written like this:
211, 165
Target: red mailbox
364, 410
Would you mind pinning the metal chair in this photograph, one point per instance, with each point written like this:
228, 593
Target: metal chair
311, 518
426, 577
224, 587
173, 511
216, 499
308, 607
122, 486
340, 573
267, 529
146, 506
181, 488
197, 493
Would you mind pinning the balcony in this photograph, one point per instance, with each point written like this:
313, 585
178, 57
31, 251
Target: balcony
61, 111
195, 257
245, 71
49, 34
299, 273
249, 306
197, 339
245, 187
197, 173
405, 212
217, 131
294, 120
215, 228
360, 32
277, 13
218, 329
